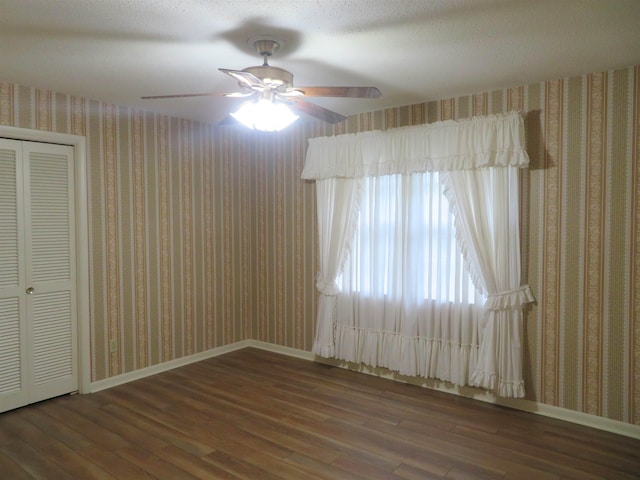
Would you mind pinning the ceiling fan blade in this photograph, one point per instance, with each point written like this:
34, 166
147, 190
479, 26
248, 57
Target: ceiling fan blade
316, 111
183, 95
246, 79
353, 92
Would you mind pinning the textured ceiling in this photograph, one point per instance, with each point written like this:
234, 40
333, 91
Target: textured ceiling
412, 50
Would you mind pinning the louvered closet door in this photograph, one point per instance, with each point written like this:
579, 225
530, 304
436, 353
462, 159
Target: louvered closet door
41, 303
13, 327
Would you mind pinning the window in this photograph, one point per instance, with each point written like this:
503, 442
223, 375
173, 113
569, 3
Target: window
405, 246
406, 302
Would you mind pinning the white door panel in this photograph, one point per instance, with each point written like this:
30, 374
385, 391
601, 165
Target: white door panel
13, 331
38, 333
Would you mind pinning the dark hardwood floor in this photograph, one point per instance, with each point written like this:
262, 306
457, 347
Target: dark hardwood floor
253, 414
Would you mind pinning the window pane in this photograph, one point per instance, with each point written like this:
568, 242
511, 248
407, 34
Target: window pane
405, 246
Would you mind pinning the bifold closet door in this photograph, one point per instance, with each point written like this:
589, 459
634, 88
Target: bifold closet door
38, 332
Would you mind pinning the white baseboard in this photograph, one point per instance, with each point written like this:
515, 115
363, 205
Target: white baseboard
580, 418
163, 367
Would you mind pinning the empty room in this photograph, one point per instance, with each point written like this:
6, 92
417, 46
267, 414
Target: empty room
319, 239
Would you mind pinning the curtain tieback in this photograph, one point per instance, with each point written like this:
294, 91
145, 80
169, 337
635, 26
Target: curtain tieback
509, 298
327, 288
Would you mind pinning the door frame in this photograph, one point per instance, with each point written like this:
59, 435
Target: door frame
78, 143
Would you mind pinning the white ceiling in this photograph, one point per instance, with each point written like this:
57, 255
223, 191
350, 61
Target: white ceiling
412, 50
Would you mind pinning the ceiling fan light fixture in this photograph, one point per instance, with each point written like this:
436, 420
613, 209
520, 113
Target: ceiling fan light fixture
265, 115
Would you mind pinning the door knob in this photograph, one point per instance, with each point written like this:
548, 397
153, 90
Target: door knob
29, 290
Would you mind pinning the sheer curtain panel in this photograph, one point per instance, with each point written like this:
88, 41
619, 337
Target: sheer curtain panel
399, 214
406, 301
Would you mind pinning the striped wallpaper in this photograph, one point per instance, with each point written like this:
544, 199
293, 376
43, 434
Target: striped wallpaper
167, 220
201, 237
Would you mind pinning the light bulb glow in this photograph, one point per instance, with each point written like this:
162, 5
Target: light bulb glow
265, 115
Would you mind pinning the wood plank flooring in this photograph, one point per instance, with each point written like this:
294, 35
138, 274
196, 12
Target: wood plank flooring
253, 414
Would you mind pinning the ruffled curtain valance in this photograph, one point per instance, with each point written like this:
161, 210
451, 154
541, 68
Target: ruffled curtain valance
496, 140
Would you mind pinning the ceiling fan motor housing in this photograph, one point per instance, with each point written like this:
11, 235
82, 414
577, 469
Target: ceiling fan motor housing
272, 76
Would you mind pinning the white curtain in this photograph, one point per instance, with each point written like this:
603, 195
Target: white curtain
337, 217
407, 303
416, 334
485, 205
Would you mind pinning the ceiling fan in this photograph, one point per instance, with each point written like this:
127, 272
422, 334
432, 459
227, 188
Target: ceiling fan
274, 84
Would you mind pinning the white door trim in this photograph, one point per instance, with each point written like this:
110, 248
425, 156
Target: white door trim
82, 236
